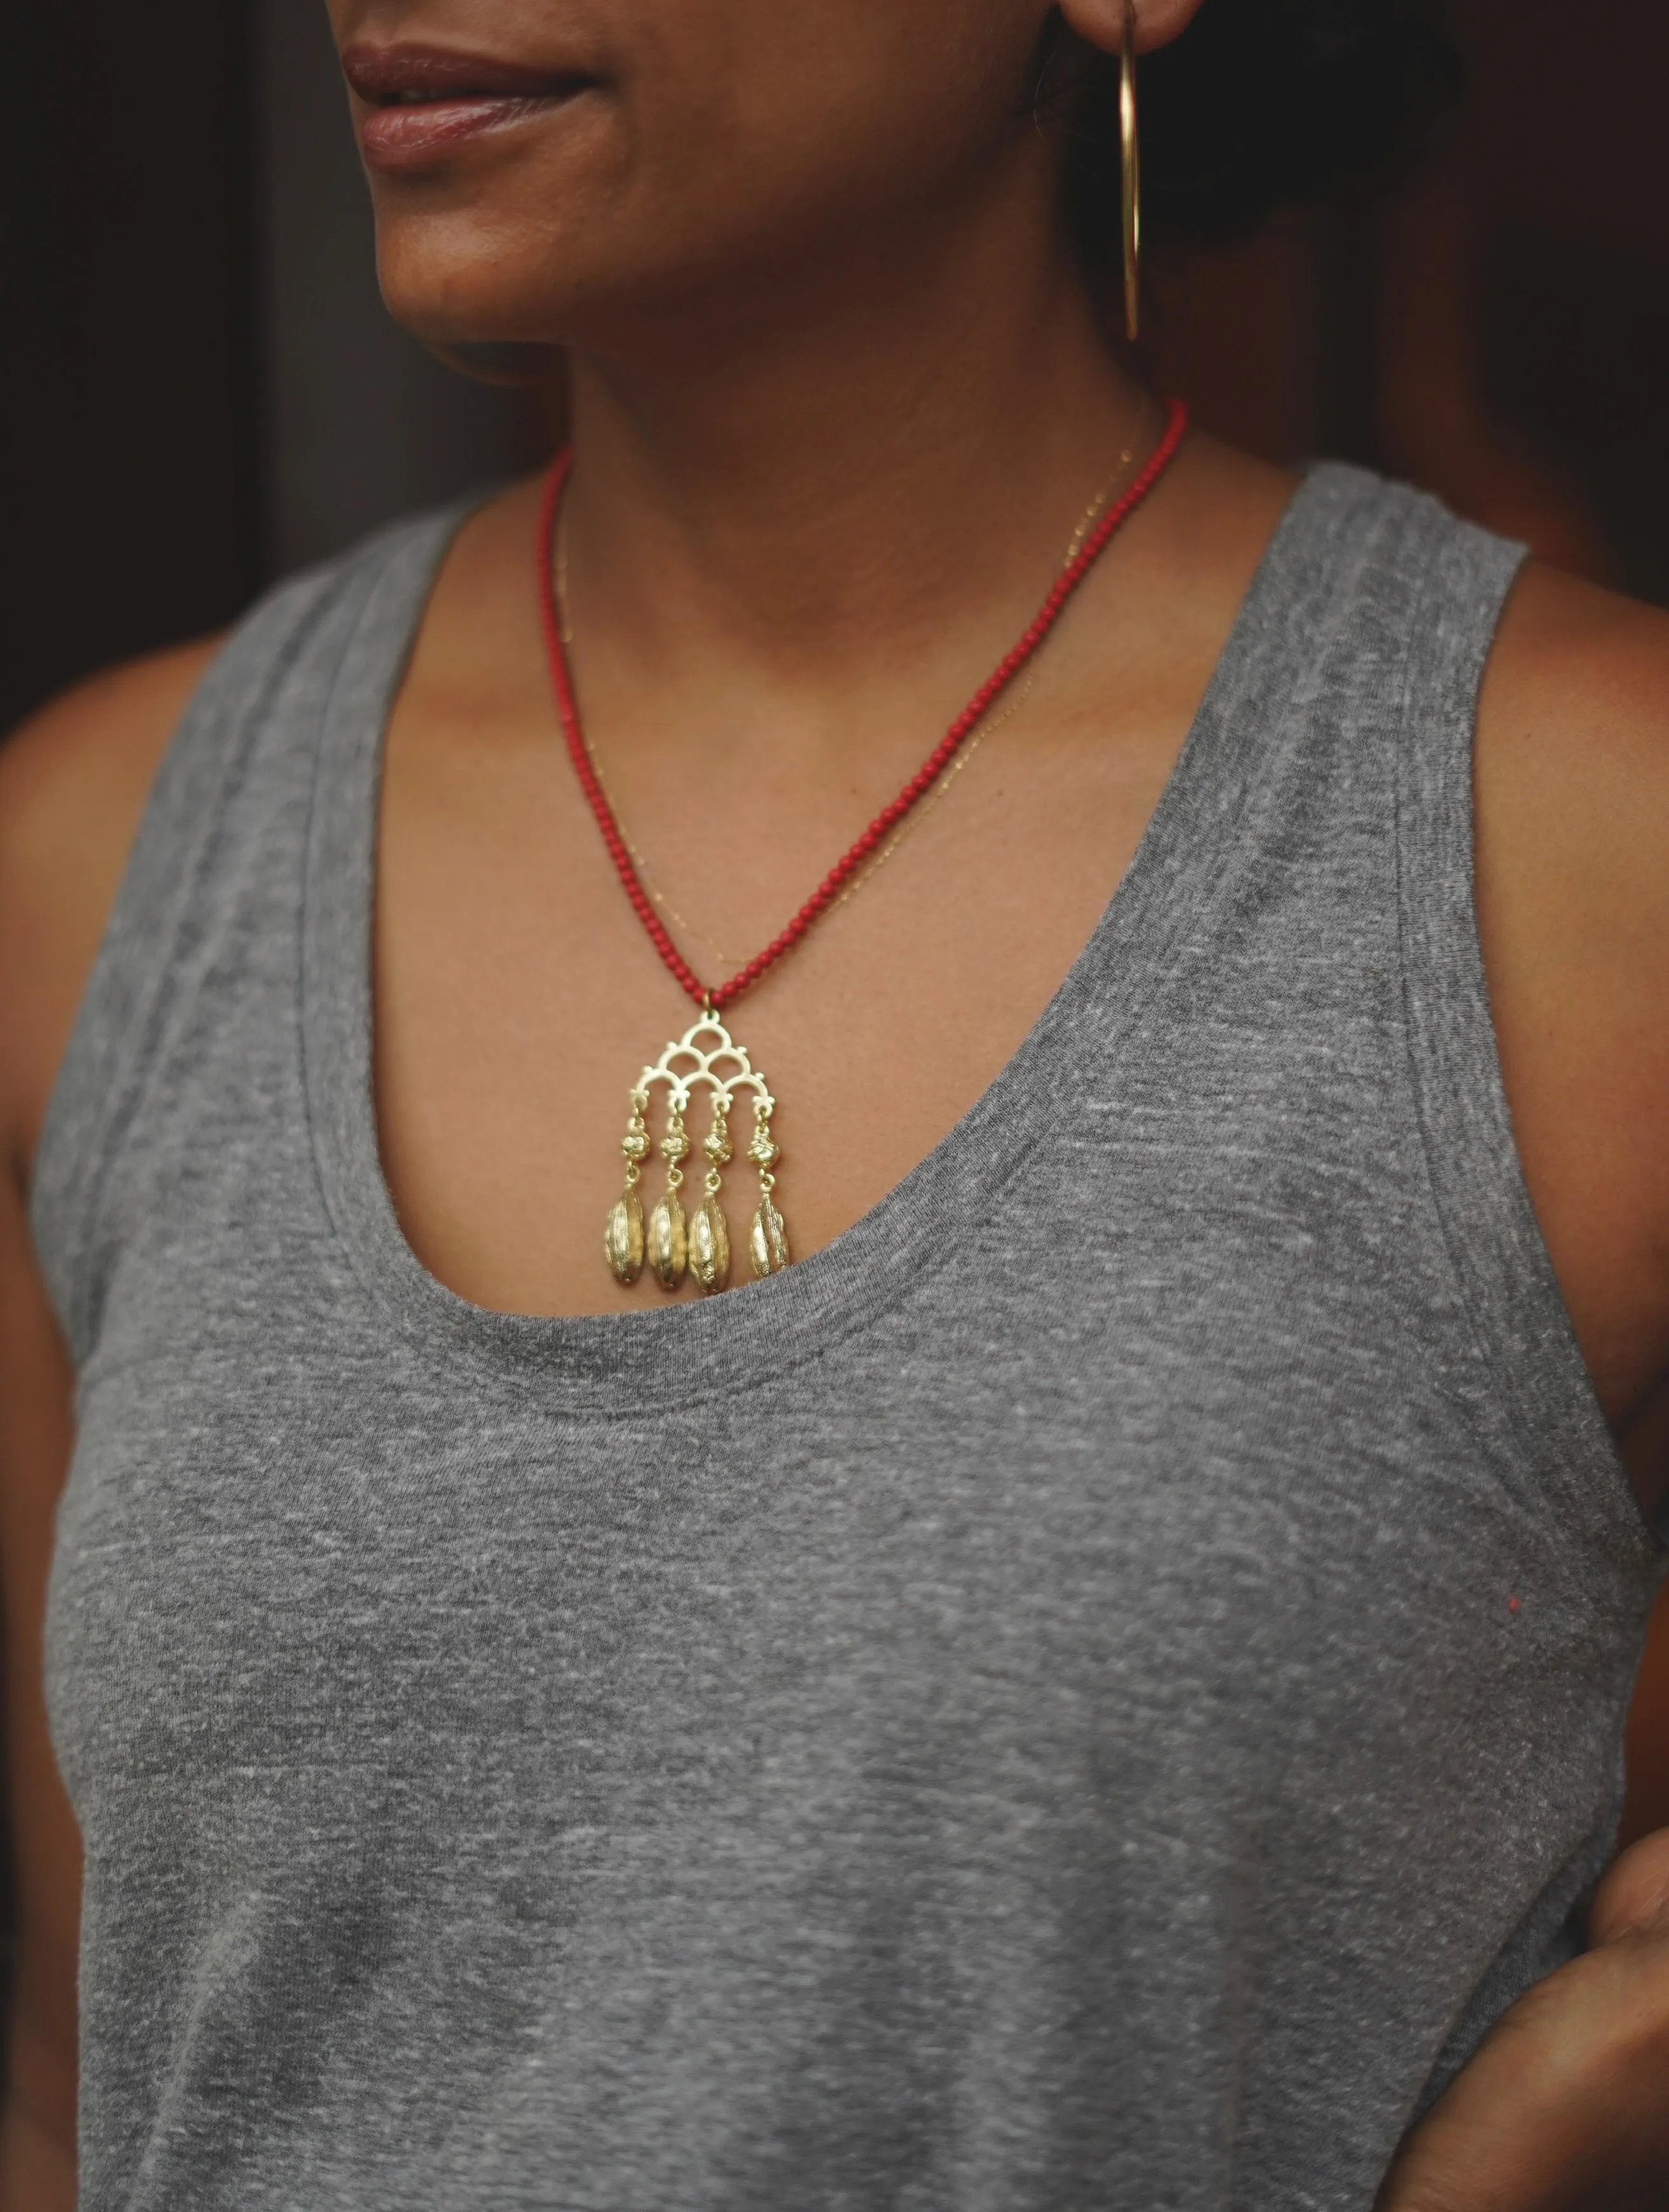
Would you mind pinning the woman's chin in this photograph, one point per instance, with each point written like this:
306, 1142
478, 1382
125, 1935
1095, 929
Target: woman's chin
523, 362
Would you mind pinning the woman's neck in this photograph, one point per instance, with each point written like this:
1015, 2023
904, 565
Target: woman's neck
850, 464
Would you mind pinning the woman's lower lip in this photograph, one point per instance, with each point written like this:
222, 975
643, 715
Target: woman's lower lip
412, 134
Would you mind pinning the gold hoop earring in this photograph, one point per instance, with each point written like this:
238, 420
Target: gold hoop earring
1131, 166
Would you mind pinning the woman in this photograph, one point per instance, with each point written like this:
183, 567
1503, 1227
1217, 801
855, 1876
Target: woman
1098, 1683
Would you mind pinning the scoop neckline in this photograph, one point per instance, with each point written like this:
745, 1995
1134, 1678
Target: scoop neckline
682, 1352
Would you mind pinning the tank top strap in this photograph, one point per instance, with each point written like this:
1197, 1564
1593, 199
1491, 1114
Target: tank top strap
1322, 814
1455, 579
217, 831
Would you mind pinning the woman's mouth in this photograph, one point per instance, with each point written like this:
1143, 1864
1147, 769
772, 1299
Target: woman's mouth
424, 100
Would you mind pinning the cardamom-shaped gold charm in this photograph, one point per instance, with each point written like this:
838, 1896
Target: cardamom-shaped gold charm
709, 1233
623, 1238
669, 1243
768, 1240
707, 1058
622, 1235
709, 1246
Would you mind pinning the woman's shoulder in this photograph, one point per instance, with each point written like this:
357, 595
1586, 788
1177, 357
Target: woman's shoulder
74, 780
1572, 831
1570, 650
1573, 771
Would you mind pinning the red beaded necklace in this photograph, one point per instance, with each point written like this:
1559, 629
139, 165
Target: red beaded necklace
706, 1056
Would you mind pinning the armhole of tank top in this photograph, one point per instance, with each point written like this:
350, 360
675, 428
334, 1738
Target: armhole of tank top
1538, 1405
125, 999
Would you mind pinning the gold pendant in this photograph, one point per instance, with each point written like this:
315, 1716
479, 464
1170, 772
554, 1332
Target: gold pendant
705, 1056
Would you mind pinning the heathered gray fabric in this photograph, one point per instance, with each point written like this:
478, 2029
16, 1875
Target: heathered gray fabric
1024, 1712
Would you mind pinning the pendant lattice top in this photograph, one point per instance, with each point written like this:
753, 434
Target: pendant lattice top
685, 1065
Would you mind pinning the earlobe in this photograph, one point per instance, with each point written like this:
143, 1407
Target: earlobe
1100, 22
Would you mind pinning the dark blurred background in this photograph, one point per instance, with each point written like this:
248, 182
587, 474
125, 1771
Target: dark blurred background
199, 389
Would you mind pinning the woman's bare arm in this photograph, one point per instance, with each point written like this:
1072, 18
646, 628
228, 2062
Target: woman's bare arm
36, 2127
1562, 2109
1573, 899
73, 783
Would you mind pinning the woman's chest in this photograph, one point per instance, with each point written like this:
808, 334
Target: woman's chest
518, 997
1199, 1512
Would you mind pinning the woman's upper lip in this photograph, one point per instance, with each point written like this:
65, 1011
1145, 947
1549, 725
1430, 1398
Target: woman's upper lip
385, 73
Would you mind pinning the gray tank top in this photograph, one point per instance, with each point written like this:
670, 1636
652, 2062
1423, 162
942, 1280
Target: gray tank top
1100, 1709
